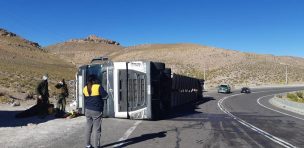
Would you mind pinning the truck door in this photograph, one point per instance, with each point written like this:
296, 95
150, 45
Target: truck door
132, 94
123, 90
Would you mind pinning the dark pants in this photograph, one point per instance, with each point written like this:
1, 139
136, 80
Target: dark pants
61, 103
42, 105
93, 127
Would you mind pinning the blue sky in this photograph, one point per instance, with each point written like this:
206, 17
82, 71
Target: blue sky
259, 26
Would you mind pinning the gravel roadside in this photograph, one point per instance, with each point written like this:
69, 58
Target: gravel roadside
33, 131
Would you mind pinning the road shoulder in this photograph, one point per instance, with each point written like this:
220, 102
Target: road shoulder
287, 105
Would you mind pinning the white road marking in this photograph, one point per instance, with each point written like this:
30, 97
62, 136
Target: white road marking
252, 127
276, 110
127, 134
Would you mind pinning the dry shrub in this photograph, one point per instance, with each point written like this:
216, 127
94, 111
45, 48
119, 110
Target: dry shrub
292, 97
300, 94
4, 99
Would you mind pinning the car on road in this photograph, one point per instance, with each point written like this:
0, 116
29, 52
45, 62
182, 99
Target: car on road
245, 90
224, 88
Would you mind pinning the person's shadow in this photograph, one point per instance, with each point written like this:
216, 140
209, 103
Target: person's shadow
8, 119
138, 139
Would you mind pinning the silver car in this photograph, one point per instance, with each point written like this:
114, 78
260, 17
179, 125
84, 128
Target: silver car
224, 88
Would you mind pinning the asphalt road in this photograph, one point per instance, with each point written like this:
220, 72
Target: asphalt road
219, 120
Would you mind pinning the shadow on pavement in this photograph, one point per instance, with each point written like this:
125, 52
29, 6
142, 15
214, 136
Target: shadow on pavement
8, 119
135, 140
187, 109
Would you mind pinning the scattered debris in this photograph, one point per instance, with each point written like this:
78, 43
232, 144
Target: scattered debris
31, 124
73, 104
72, 114
16, 103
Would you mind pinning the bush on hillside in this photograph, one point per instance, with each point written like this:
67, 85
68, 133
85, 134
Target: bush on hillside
292, 97
300, 94
301, 100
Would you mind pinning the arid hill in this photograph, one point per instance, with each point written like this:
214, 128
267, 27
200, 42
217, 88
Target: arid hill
220, 65
24, 62
80, 51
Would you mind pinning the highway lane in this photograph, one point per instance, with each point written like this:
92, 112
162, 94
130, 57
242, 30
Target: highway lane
208, 126
287, 129
203, 124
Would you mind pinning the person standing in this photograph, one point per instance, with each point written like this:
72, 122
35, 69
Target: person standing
41, 107
63, 93
93, 97
43, 96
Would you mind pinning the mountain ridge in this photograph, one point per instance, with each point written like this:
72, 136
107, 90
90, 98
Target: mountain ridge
84, 49
4, 32
95, 39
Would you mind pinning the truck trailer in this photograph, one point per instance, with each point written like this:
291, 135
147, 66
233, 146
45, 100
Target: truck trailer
137, 89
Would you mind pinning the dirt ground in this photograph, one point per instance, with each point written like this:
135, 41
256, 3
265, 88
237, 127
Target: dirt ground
15, 132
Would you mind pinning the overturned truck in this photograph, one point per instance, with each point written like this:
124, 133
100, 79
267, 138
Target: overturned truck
138, 89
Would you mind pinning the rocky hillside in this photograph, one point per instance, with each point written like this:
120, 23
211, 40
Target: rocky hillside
220, 65
80, 51
23, 63
94, 39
